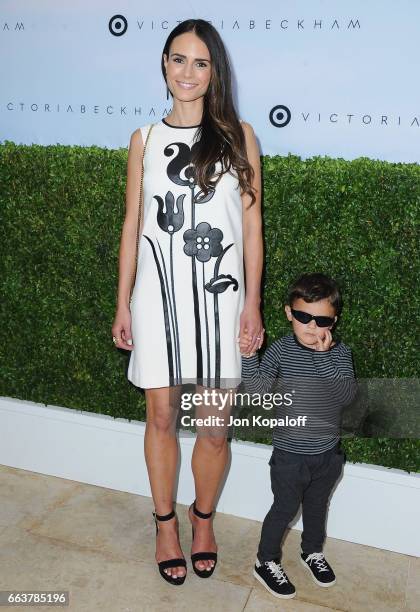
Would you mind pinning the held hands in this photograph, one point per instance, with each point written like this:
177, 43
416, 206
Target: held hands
121, 329
244, 342
251, 333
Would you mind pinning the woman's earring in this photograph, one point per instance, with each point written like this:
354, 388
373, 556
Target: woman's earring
167, 92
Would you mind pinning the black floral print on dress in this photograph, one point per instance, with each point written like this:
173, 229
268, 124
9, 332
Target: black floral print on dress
201, 244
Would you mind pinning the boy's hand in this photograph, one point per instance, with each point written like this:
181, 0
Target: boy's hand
324, 340
244, 343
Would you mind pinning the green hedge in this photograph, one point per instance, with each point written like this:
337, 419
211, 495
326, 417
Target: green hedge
62, 212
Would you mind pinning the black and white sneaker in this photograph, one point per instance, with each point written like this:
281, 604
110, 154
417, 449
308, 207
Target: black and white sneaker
320, 570
272, 576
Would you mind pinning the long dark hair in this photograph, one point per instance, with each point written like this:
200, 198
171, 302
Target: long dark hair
220, 137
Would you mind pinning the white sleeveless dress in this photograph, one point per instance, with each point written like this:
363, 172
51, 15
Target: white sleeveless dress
189, 289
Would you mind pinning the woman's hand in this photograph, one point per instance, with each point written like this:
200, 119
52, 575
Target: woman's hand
251, 332
121, 328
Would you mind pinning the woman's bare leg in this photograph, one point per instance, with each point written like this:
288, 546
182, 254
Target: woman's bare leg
161, 453
208, 463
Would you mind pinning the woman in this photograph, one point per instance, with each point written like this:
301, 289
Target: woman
202, 221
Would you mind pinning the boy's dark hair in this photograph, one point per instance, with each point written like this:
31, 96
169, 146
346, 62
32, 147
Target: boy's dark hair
314, 287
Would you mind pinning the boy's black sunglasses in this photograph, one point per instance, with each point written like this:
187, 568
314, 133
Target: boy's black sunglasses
305, 317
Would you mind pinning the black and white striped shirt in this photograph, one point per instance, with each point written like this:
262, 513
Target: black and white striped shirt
320, 384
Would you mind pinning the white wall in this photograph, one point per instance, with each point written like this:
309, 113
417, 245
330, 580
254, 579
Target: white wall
372, 505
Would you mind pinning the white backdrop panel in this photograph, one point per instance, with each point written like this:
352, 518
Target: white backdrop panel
347, 73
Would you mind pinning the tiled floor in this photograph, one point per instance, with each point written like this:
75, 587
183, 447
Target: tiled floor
98, 544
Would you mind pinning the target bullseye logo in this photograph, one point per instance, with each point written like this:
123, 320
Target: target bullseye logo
118, 25
280, 116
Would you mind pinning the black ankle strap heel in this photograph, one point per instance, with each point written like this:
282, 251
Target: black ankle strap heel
163, 565
202, 556
163, 517
201, 515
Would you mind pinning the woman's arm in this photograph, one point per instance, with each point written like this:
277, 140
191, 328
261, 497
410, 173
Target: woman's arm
121, 328
251, 322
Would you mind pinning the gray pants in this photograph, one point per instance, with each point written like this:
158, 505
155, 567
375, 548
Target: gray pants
296, 479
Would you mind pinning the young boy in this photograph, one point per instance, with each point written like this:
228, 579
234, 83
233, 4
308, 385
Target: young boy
306, 461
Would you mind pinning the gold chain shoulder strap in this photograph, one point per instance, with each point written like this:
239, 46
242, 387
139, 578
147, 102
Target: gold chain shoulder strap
141, 206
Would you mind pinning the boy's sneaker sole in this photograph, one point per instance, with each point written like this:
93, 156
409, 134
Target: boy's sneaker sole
258, 577
322, 584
